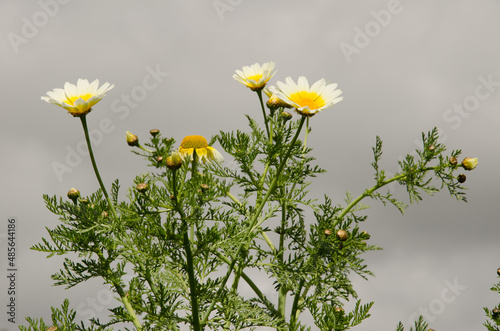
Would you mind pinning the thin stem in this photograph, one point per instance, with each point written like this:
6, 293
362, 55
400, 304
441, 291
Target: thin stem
189, 257
118, 288
370, 191
259, 93
94, 165
281, 256
253, 220
306, 134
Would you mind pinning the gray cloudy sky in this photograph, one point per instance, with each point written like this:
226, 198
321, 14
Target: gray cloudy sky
404, 66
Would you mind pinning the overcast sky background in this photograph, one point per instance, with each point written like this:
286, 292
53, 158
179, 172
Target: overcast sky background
403, 78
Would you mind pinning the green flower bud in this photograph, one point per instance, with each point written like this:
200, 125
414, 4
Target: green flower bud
365, 235
328, 232
73, 194
154, 132
469, 163
495, 313
132, 139
286, 116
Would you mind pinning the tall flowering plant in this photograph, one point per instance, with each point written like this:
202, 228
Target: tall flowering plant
200, 230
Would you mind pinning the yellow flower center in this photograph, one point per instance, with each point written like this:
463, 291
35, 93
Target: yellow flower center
308, 99
255, 77
85, 97
194, 142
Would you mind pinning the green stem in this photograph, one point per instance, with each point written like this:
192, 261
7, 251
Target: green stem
306, 134
118, 288
128, 306
281, 256
252, 285
259, 93
189, 257
370, 191
252, 222
294, 315
94, 165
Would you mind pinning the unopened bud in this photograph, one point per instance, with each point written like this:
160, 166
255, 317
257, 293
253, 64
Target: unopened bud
328, 232
274, 103
365, 235
104, 214
286, 116
339, 309
453, 160
73, 194
132, 139
495, 313
432, 148
83, 201
469, 163
342, 235
498, 271
174, 161
52, 328
461, 178
204, 187
154, 132
142, 187
159, 159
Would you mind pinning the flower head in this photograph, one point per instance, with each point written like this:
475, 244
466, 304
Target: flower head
132, 139
255, 76
308, 100
78, 99
469, 163
198, 145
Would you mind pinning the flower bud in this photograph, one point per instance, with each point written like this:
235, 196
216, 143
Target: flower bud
52, 328
83, 201
469, 163
365, 235
342, 235
339, 309
132, 139
453, 161
204, 187
104, 214
159, 159
73, 194
286, 116
432, 148
495, 313
498, 271
142, 187
174, 161
154, 132
274, 103
328, 232
461, 178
